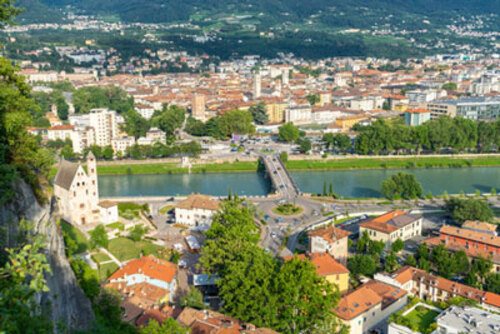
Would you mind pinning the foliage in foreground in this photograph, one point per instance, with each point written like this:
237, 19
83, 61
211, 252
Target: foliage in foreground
289, 297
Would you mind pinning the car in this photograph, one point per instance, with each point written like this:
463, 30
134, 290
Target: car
273, 235
182, 264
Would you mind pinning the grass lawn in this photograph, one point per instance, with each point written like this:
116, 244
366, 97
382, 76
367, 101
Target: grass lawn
125, 249
71, 232
423, 317
172, 168
394, 163
287, 210
100, 257
106, 270
131, 210
116, 226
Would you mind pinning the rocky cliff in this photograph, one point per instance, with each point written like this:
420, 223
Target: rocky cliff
67, 303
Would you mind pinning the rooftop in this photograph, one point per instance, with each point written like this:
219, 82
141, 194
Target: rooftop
149, 266
330, 233
469, 320
199, 202
481, 237
390, 221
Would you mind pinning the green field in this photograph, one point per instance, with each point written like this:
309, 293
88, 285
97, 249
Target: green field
392, 163
125, 249
171, 168
106, 270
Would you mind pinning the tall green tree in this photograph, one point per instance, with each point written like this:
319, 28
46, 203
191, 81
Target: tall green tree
169, 326
111, 97
169, 119
469, 209
288, 133
403, 186
259, 113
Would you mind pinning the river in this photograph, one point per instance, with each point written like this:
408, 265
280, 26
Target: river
348, 183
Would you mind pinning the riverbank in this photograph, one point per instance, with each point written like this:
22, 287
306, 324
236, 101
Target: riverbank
341, 163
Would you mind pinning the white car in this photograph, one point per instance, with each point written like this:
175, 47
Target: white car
182, 264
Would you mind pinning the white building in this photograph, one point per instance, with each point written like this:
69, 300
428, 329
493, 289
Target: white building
154, 135
77, 194
299, 114
105, 125
121, 144
456, 320
60, 132
196, 210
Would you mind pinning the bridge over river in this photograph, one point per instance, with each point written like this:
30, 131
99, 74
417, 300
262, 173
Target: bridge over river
282, 181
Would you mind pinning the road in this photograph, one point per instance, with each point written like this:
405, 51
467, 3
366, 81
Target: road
282, 181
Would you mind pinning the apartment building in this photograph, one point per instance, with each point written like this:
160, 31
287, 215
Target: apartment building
475, 108
121, 144
60, 132
417, 117
330, 240
366, 308
299, 114
466, 319
104, 122
393, 225
418, 282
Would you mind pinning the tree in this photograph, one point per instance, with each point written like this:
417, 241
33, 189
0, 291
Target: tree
443, 261
403, 186
397, 245
169, 119
304, 298
410, 261
461, 262
449, 86
195, 127
492, 283
22, 279
259, 113
362, 264
107, 153
313, 99
193, 299
169, 326
135, 124
288, 133
391, 262
304, 145
469, 209
284, 157
231, 122
111, 97
137, 233
99, 237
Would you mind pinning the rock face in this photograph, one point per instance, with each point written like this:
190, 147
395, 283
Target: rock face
67, 303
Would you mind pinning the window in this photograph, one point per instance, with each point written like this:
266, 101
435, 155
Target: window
82, 206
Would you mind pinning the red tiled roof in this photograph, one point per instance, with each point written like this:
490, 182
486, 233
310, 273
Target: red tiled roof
381, 223
149, 266
463, 233
330, 233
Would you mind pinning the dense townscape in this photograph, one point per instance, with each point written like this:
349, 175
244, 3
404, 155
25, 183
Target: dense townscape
148, 186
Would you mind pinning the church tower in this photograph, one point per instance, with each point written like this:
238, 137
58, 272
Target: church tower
93, 187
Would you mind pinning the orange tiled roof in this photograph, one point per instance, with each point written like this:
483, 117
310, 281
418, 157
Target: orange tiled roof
455, 247
408, 273
149, 266
199, 202
61, 127
418, 111
330, 233
326, 265
484, 238
382, 223
478, 225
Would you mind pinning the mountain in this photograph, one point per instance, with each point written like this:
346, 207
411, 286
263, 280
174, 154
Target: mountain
175, 10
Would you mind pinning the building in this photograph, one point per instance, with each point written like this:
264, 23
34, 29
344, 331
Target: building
105, 125
479, 226
82, 138
417, 117
456, 320
475, 108
367, 307
326, 266
257, 85
121, 144
145, 110
418, 282
299, 114
60, 132
211, 322
198, 107
392, 226
145, 282
330, 240
474, 243
276, 111
154, 135
77, 194
196, 210
345, 123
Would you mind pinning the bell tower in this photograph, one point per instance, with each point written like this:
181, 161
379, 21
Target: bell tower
93, 187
